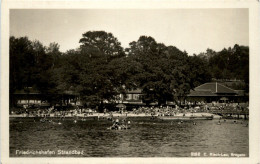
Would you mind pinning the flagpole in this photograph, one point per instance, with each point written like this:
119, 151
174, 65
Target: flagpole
216, 87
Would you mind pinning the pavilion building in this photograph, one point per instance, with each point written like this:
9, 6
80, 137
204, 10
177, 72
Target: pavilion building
218, 92
32, 97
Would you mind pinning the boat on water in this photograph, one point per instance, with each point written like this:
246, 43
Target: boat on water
202, 117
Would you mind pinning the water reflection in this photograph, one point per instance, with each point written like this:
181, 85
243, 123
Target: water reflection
146, 138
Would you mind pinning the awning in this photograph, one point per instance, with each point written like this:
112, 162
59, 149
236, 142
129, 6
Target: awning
223, 98
121, 106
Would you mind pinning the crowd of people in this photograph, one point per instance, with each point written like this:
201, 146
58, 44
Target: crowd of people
45, 112
145, 110
202, 108
120, 125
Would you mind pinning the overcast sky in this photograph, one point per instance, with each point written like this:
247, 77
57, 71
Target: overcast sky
193, 30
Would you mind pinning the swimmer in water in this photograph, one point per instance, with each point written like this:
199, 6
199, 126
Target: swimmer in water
219, 123
194, 123
75, 121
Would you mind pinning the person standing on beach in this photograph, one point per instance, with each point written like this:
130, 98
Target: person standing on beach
105, 110
117, 120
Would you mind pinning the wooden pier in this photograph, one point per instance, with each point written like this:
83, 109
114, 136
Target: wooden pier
231, 113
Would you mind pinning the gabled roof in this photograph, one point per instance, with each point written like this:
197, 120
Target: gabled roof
33, 91
29, 90
240, 92
70, 92
201, 93
215, 88
134, 91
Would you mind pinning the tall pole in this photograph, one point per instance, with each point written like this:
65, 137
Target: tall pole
216, 87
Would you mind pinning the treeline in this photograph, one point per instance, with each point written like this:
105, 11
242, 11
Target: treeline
100, 68
230, 64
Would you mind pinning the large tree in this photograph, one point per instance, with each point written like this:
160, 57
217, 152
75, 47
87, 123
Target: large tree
101, 69
103, 42
31, 66
164, 73
88, 70
155, 64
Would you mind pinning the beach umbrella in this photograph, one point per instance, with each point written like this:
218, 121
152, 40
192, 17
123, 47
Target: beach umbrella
224, 98
197, 107
120, 106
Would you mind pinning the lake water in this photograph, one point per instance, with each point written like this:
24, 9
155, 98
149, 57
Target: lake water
146, 138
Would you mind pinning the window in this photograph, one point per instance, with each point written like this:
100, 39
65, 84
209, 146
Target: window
128, 97
136, 96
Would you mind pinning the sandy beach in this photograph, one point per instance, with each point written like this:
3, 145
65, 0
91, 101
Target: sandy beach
124, 115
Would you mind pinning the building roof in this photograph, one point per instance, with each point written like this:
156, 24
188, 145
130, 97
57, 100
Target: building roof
134, 91
201, 93
70, 93
215, 88
29, 90
33, 91
240, 92
212, 89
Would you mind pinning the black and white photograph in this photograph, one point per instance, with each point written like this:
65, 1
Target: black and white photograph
129, 83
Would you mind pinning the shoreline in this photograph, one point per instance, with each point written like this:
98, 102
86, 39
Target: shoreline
101, 115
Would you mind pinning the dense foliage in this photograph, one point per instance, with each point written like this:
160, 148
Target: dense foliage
229, 64
101, 69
